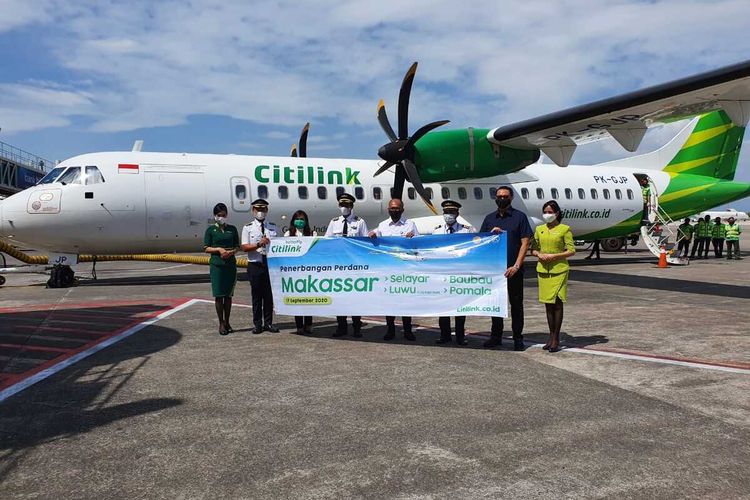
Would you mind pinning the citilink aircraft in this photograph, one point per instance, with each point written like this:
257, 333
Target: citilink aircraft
146, 202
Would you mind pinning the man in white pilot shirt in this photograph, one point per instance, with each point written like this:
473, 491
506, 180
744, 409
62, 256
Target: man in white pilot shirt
396, 225
452, 226
347, 225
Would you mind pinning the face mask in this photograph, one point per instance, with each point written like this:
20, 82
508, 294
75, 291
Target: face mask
299, 223
261, 216
502, 203
395, 214
450, 219
220, 220
549, 218
345, 211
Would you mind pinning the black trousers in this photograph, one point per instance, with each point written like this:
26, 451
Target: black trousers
701, 244
733, 245
718, 246
391, 322
595, 250
515, 297
260, 288
356, 323
684, 247
445, 328
302, 321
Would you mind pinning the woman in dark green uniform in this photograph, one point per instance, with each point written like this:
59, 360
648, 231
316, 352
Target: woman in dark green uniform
222, 241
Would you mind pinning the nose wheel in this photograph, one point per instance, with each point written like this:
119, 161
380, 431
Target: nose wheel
61, 277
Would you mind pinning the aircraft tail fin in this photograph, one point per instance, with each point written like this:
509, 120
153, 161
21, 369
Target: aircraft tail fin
712, 148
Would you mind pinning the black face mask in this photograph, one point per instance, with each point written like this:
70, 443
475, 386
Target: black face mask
395, 214
502, 203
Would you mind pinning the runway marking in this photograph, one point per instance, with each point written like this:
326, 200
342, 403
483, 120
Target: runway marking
13, 383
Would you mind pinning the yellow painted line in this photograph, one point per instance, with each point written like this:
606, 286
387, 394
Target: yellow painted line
683, 193
689, 165
704, 135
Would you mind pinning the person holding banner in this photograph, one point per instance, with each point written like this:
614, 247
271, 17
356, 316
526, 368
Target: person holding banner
452, 226
396, 225
516, 226
300, 226
553, 244
222, 241
256, 237
345, 226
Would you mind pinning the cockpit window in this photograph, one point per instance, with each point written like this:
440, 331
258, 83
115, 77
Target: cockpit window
71, 176
51, 175
93, 175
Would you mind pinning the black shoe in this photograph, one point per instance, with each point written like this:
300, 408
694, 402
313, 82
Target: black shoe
223, 331
256, 330
462, 343
229, 328
338, 333
443, 341
493, 343
390, 335
409, 336
270, 328
519, 346
554, 349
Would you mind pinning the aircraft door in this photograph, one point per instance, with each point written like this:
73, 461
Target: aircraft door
240, 194
175, 205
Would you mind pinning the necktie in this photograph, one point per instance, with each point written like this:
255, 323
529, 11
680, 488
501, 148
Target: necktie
345, 232
263, 232
450, 229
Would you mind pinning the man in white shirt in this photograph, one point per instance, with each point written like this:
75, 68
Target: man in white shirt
396, 225
452, 226
347, 225
256, 237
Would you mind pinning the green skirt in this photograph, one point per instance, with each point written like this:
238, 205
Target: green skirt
552, 286
223, 279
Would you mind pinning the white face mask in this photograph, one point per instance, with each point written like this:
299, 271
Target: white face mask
450, 219
220, 220
549, 218
261, 216
345, 211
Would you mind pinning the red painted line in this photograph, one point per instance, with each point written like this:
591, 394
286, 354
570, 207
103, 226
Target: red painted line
84, 332
700, 361
25, 347
135, 304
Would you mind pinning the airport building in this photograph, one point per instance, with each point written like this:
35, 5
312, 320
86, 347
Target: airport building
19, 169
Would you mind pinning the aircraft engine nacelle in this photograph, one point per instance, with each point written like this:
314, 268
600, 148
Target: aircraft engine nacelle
466, 153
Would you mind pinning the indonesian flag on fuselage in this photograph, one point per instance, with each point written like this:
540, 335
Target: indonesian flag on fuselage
127, 168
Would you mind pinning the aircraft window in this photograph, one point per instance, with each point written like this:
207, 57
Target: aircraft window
492, 191
52, 175
71, 176
302, 192
568, 193
555, 194
93, 175
322, 193
594, 194
581, 194
540, 193
263, 191
630, 194
445, 193
339, 191
377, 193
477, 193
240, 192
618, 194
429, 192
605, 192
359, 193
462, 193
283, 192
524, 193
411, 193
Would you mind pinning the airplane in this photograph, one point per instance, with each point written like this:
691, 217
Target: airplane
148, 202
724, 214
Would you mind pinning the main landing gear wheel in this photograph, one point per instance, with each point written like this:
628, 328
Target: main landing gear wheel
61, 277
2, 280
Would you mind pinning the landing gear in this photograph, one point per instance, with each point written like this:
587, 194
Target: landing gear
2, 280
61, 277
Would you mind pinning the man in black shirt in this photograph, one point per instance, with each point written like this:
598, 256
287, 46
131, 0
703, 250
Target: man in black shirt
516, 225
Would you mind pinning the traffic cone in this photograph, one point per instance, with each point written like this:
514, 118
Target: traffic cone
663, 257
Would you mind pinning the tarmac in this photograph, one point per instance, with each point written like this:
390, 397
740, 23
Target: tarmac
122, 387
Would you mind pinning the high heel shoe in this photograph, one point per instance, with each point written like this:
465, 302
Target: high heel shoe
546, 346
222, 330
554, 349
229, 328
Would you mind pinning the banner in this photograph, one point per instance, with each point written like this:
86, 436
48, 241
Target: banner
441, 275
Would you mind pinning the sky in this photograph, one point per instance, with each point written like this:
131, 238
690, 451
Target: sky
243, 77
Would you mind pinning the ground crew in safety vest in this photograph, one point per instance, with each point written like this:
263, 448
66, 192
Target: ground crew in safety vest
702, 234
646, 191
684, 235
732, 235
717, 237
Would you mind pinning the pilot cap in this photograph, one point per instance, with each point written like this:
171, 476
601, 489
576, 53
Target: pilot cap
346, 198
450, 204
259, 203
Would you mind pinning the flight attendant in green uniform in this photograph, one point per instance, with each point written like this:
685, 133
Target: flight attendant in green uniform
222, 240
553, 244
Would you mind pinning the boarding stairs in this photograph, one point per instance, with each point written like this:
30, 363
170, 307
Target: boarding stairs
660, 231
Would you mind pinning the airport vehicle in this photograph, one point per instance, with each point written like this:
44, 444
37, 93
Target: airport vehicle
146, 202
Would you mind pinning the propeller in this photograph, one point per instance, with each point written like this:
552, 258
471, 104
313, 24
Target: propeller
400, 151
302, 143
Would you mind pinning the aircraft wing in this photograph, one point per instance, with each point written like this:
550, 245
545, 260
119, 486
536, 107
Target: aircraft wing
626, 117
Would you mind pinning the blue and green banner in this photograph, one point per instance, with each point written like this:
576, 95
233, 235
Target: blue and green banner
440, 275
